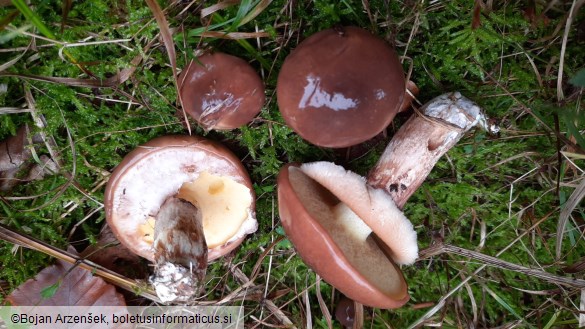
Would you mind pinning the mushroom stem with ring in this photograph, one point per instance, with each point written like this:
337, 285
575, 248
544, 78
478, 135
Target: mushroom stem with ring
421, 141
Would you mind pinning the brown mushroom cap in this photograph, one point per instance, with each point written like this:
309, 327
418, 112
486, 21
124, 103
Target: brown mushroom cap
340, 87
155, 171
345, 312
221, 91
358, 268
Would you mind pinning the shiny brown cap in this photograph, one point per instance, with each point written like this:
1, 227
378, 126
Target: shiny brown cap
357, 267
221, 91
155, 171
340, 87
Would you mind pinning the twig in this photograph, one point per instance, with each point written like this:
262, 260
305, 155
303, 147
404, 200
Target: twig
26, 241
240, 276
442, 301
496, 262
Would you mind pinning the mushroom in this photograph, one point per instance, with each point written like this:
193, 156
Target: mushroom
340, 87
350, 229
422, 140
166, 191
331, 231
345, 312
221, 91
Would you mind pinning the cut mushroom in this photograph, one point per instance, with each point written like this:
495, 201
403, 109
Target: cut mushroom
350, 230
180, 251
205, 174
221, 91
422, 140
340, 87
332, 238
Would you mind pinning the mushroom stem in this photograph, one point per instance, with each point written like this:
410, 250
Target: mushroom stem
421, 141
345, 217
180, 251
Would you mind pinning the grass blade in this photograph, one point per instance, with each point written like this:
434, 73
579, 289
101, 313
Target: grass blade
33, 18
255, 12
503, 303
552, 320
167, 37
574, 200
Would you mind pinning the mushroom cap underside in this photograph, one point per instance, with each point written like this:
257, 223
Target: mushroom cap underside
359, 269
156, 170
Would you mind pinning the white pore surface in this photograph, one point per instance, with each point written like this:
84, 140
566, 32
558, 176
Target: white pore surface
143, 188
374, 206
315, 96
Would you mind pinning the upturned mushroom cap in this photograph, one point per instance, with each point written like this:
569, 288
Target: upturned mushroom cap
156, 171
221, 91
340, 87
328, 214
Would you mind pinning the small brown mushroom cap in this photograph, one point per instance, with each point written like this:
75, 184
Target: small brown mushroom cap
357, 267
345, 312
340, 87
156, 171
221, 91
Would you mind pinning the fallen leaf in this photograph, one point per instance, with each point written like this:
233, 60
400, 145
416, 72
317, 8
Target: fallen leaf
63, 284
111, 254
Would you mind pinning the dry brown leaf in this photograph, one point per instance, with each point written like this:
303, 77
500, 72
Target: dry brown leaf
476, 18
74, 287
576, 267
14, 154
15, 164
574, 200
109, 253
218, 6
13, 151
